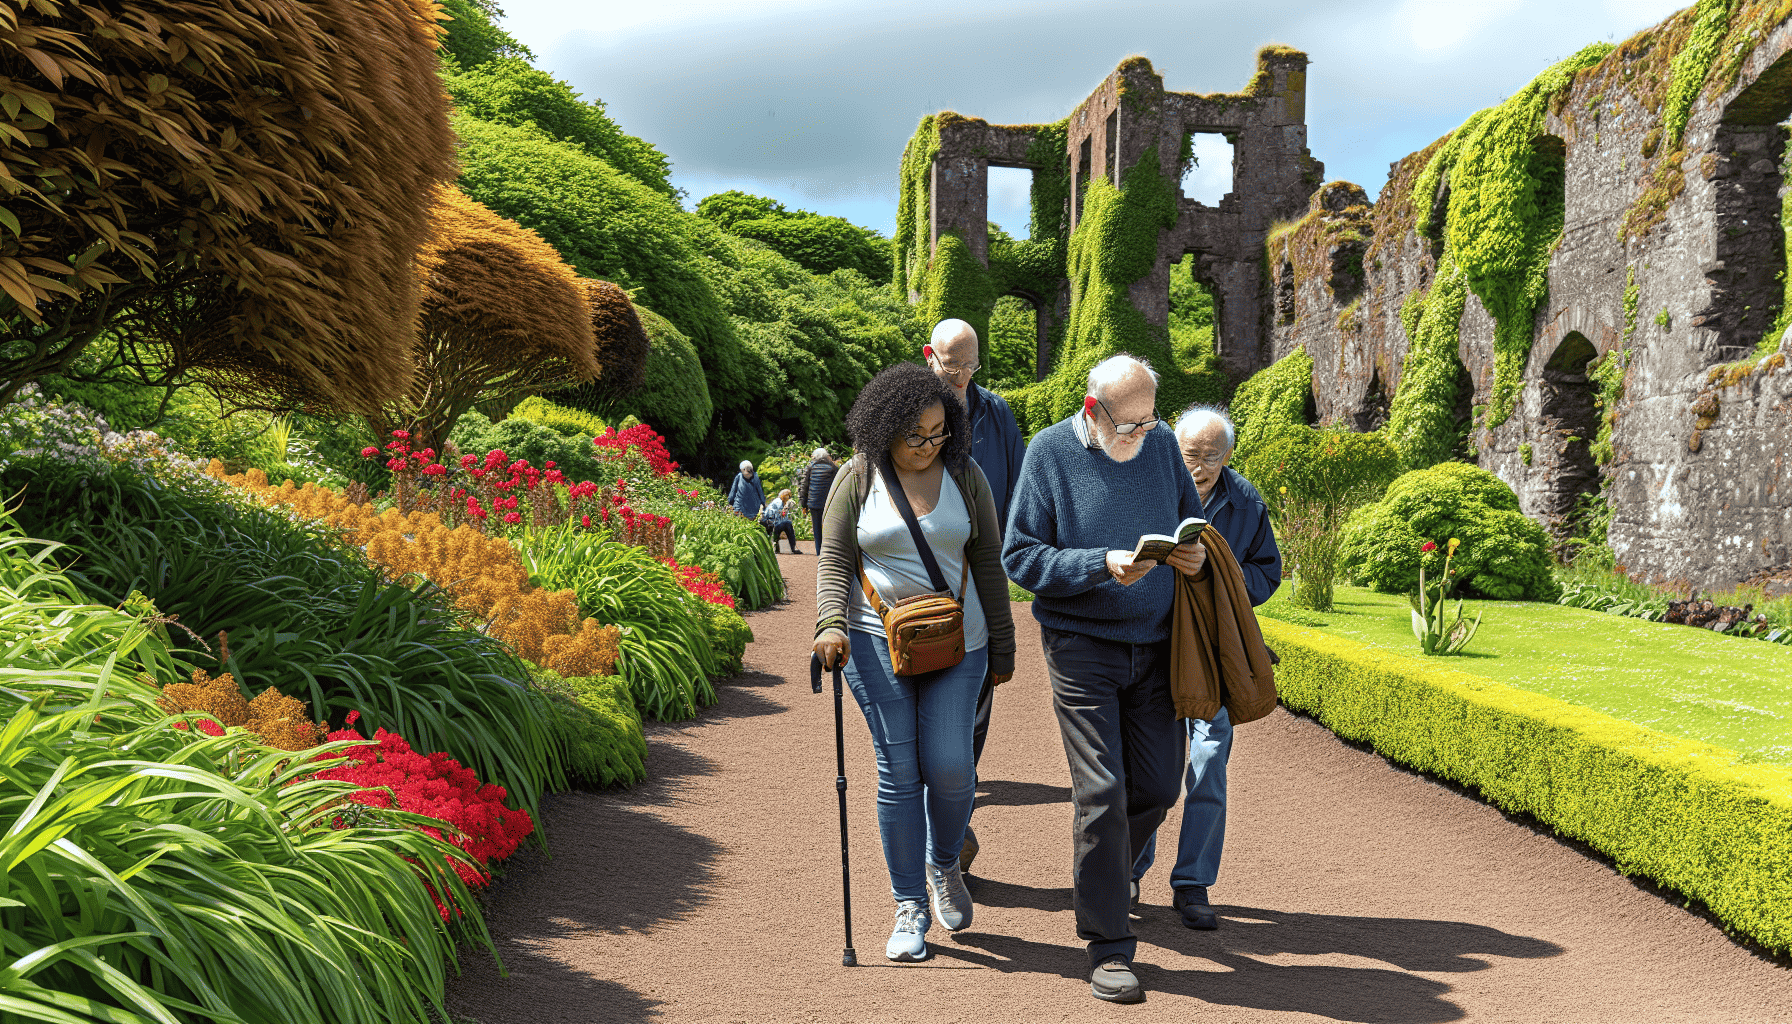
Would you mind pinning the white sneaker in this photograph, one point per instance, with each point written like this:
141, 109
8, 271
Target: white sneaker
908, 940
951, 900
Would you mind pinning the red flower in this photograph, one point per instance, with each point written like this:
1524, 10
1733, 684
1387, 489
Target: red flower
434, 469
206, 725
396, 464
585, 521
513, 518
402, 435
466, 461
369, 452
1429, 545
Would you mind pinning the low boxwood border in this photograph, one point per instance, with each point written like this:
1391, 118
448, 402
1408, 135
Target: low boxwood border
1689, 816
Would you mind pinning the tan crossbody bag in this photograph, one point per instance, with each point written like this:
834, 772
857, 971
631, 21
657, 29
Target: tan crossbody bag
926, 631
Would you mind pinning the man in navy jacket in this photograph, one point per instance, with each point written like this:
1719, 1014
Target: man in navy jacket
1234, 507
997, 447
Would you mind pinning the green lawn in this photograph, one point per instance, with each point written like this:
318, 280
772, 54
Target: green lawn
1682, 681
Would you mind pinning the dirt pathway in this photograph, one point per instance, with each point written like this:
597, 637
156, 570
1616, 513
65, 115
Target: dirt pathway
1351, 890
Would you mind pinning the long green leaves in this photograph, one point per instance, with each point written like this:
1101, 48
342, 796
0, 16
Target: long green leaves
308, 616
666, 656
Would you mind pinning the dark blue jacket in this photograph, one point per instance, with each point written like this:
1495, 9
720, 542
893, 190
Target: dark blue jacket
746, 495
1073, 505
1236, 509
818, 478
996, 445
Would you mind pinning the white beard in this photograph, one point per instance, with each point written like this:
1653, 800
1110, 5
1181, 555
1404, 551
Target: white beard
1117, 449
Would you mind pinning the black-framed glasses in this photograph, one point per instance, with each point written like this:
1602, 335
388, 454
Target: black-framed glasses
923, 440
1127, 428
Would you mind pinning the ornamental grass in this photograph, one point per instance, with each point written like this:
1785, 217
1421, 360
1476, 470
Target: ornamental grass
481, 573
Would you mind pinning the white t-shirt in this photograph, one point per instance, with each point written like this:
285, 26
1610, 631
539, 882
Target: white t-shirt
896, 571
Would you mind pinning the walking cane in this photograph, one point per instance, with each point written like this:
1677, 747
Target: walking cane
848, 958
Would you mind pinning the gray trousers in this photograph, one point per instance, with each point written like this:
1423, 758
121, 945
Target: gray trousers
1125, 749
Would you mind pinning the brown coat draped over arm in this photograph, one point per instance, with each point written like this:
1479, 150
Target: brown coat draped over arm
1217, 657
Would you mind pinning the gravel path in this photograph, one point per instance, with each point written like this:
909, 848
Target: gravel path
1351, 890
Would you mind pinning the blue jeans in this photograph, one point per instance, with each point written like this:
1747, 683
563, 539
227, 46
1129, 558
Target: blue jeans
926, 776
1204, 811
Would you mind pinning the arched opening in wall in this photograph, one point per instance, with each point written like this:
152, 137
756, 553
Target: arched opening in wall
1010, 201
1372, 412
1560, 453
1011, 352
1085, 161
1194, 323
1207, 174
1747, 306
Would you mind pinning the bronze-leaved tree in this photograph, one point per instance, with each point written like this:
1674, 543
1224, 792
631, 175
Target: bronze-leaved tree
501, 314
234, 186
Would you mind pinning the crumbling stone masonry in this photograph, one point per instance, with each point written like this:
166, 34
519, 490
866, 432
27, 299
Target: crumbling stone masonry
1127, 116
1655, 364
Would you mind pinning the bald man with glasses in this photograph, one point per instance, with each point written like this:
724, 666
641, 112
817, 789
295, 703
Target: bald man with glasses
997, 448
1206, 437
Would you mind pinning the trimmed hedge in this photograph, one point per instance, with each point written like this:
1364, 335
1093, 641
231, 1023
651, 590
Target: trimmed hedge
1690, 816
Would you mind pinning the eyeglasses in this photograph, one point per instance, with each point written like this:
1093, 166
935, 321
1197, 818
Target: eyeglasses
954, 370
920, 441
1127, 428
1209, 461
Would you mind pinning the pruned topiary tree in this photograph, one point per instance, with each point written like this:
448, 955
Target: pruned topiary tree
246, 176
501, 314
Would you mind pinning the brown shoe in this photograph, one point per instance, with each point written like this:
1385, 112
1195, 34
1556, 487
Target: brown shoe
969, 853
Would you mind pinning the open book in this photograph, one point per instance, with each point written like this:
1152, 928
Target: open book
1157, 546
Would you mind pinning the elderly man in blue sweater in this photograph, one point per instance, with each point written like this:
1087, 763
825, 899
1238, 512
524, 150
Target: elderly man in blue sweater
997, 447
1089, 487
1234, 508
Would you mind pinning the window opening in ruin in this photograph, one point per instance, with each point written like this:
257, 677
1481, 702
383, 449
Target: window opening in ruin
1748, 309
1561, 455
1011, 199
1110, 155
1208, 177
1084, 162
1285, 293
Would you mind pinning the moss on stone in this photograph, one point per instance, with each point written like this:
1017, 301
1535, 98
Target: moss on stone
1650, 207
1711, 22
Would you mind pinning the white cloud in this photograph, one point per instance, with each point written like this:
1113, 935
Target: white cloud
1434, 25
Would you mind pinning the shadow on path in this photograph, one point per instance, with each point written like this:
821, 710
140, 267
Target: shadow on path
1239, 978
1007, 793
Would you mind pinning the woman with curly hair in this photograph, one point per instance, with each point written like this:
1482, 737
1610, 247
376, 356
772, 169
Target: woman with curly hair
910, 430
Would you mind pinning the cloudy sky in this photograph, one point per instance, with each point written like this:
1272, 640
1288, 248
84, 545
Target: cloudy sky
810, 101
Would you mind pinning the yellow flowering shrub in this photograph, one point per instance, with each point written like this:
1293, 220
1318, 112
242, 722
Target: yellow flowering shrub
279, 720
483, 574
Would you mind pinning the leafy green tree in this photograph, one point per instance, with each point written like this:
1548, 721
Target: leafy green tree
472, 36
820, 245
507, 90
673, 397
607, 224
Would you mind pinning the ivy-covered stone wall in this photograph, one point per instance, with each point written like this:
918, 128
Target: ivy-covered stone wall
1583, 289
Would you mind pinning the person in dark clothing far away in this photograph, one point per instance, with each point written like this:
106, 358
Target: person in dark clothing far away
746, 493
997, 447
812, 489
1091, 485
1205, 435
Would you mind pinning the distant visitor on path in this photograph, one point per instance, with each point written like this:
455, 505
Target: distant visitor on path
818, 477
1090, 487
747, 494
913, 483
997, 448
777, 520
1206, 437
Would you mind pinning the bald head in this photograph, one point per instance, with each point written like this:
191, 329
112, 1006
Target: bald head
954, 354
1124, 388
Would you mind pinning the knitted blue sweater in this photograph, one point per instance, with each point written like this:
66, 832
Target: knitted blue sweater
1074, 504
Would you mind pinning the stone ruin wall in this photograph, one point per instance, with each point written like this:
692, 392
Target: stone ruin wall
1700, 507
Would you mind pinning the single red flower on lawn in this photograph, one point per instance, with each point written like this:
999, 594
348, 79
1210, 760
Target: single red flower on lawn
1429, 545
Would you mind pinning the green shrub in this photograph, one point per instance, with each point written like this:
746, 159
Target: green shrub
817, 243
1275, 400
602, 729
1312, 479
673, 391
529, 439
1689, 816
728, 633
1504, 555
574, 423
730, 546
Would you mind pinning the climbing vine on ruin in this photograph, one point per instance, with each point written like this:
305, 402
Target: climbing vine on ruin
1711, 20
1273, 401
1421, 416
1505, 214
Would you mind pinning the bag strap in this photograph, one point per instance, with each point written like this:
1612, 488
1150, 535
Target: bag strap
924, 549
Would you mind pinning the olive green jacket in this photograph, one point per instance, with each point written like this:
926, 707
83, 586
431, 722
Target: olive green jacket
838, 572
